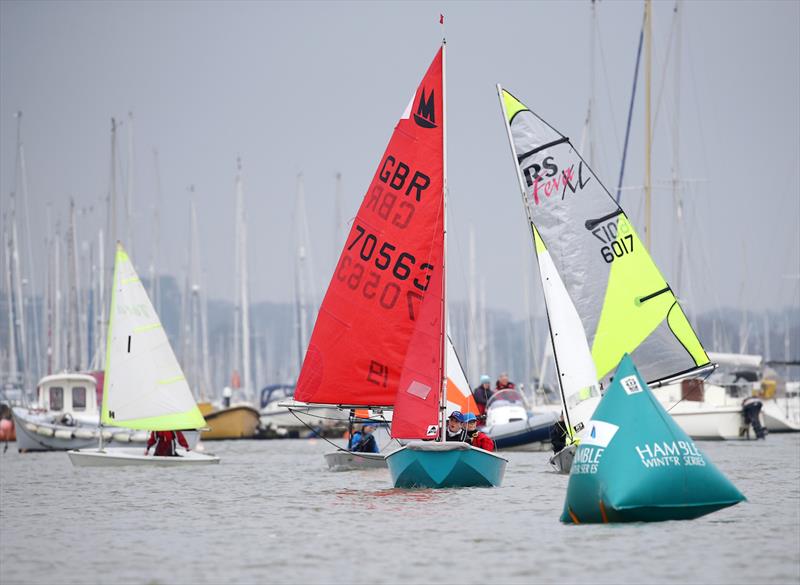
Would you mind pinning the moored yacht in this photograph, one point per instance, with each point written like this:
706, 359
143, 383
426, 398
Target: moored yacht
66, 416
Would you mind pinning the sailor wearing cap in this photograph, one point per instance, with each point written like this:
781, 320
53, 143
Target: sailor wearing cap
455, 429
475, 437
364, 440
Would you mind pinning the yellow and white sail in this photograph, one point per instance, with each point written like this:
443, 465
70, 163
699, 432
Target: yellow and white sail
605, 296
144, 386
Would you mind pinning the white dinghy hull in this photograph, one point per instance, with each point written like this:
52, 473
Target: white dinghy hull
118, 457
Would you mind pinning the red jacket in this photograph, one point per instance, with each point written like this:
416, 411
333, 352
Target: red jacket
165, 442
482, 441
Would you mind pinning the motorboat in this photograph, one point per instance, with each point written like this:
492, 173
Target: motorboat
282, 416
66, 416
239, 420
513, 424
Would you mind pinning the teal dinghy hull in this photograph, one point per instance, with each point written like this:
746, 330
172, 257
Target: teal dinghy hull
429, 464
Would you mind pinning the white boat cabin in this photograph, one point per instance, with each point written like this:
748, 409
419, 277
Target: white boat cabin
74, 394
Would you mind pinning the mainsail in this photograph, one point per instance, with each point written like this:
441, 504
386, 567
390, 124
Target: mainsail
144, 385
378, 338
605, 296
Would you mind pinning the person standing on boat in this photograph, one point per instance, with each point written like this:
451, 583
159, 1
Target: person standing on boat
165, 443
558, 434
364, 441
482, 394
455, 427
475, 437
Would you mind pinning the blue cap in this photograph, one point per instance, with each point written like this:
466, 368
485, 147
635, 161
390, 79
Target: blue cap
457, 415
469, 417
485, 379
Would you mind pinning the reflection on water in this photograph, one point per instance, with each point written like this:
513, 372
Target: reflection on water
272, 512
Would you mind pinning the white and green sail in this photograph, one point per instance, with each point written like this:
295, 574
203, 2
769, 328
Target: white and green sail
605, 296
144, 386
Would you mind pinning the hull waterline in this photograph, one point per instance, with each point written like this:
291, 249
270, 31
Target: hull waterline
427, 464
123, 457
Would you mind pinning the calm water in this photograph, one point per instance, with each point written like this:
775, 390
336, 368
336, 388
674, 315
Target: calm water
271, 512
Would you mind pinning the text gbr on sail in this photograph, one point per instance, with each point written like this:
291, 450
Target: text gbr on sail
395, 173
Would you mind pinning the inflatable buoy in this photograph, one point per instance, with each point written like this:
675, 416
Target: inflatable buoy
121, 437
85, 434
635, 464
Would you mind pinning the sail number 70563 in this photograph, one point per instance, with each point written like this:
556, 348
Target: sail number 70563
356, 271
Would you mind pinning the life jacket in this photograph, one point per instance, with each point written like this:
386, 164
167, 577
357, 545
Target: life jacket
365, 443
165, 443
459, 436
482, 441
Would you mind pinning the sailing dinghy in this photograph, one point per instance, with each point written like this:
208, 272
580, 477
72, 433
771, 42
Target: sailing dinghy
379, 340
144, 386
604, 295
459, 397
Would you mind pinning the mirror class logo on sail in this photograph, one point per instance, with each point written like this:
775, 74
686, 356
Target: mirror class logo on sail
425, 116
545, 180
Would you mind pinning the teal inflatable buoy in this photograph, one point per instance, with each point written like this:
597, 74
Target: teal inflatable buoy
635, 464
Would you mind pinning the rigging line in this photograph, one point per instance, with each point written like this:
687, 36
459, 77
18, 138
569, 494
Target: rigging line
331, 443
682, 398
668, 53
630, 114
608, 88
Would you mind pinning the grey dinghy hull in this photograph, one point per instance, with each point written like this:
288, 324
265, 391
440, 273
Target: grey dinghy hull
562, 461
350, 461
119, 457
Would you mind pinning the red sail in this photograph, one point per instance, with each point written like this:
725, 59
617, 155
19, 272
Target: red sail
378, 336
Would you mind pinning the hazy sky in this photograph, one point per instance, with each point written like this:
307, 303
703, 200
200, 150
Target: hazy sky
318, 87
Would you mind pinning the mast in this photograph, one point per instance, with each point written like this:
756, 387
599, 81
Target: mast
443, 333
242, 297
155, 285
648, 136
300, 301
13, 360
531, 227
472, 316
31, 280
19, 311
74, 356
129, 190
589, 121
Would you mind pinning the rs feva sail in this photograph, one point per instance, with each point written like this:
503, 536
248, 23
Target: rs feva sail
144, 385
378, 338
605, 296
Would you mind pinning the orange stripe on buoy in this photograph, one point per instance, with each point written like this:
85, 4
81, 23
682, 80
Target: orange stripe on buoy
603, 512
573, 516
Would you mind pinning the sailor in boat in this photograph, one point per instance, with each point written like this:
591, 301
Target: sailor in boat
503, 383
483, 393
455, 427
165, 443
558, 434
364, 441
475, 437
